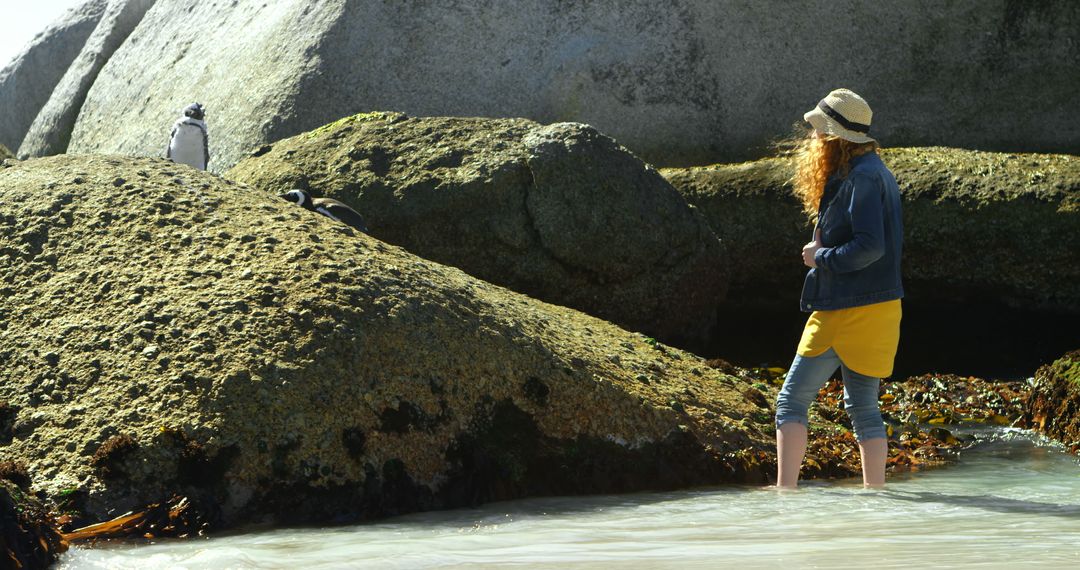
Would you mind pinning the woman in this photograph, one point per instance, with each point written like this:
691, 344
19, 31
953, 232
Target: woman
853, 286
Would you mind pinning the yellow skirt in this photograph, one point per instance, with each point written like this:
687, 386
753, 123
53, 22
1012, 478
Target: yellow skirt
864, 337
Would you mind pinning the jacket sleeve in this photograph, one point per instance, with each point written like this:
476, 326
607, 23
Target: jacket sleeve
867, 213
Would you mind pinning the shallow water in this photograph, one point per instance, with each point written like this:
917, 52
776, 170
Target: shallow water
1012, 500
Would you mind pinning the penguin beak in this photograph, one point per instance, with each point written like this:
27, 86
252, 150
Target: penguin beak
293, 196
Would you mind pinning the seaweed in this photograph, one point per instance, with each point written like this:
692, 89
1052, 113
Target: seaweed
28, 535
108, 460
15, 471
178, 517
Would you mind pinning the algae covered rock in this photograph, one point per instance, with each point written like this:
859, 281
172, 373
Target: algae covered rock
1055, 400
751, 209
165, 332
5, 153
977, 225
992, 225
559, 212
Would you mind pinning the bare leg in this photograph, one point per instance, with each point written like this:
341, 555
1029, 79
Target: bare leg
790, 448
874, 453
804, 379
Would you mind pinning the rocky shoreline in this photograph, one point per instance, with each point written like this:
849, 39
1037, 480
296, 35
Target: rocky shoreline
185, 353
168, 333
536, 307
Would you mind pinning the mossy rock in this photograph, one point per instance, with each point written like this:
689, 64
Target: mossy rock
559, 212
167, 332
1054, 405
751, 209
977, 225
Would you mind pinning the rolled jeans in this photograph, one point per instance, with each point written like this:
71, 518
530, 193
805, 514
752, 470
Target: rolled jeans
805, 379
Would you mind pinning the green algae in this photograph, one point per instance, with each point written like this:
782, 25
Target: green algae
1055, 401
326, 129
1004, 226
251, 351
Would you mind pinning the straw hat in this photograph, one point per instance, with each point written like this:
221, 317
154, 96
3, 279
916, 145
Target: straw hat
844, 114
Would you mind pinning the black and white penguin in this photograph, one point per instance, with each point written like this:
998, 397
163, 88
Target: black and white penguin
328, 207
189, 143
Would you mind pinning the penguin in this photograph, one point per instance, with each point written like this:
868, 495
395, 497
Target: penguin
328, 207
189, 143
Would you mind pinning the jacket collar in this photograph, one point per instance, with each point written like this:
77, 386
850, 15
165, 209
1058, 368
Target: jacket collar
865, 157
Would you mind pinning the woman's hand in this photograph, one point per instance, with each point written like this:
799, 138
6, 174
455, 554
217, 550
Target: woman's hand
810, 249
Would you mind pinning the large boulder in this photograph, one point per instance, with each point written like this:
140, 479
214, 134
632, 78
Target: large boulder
559, 212
166, 331
752, 210
27, 82
250, 62
689, 82
1053, 407
51, 130
977, 225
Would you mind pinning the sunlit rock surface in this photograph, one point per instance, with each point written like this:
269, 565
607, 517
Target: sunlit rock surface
688, 82
559, 212
977, 225
166, 331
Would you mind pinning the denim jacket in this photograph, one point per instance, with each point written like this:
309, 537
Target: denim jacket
862, 234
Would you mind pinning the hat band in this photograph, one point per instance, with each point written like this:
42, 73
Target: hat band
849, 125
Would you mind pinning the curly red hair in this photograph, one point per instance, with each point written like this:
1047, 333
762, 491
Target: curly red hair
816, 159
